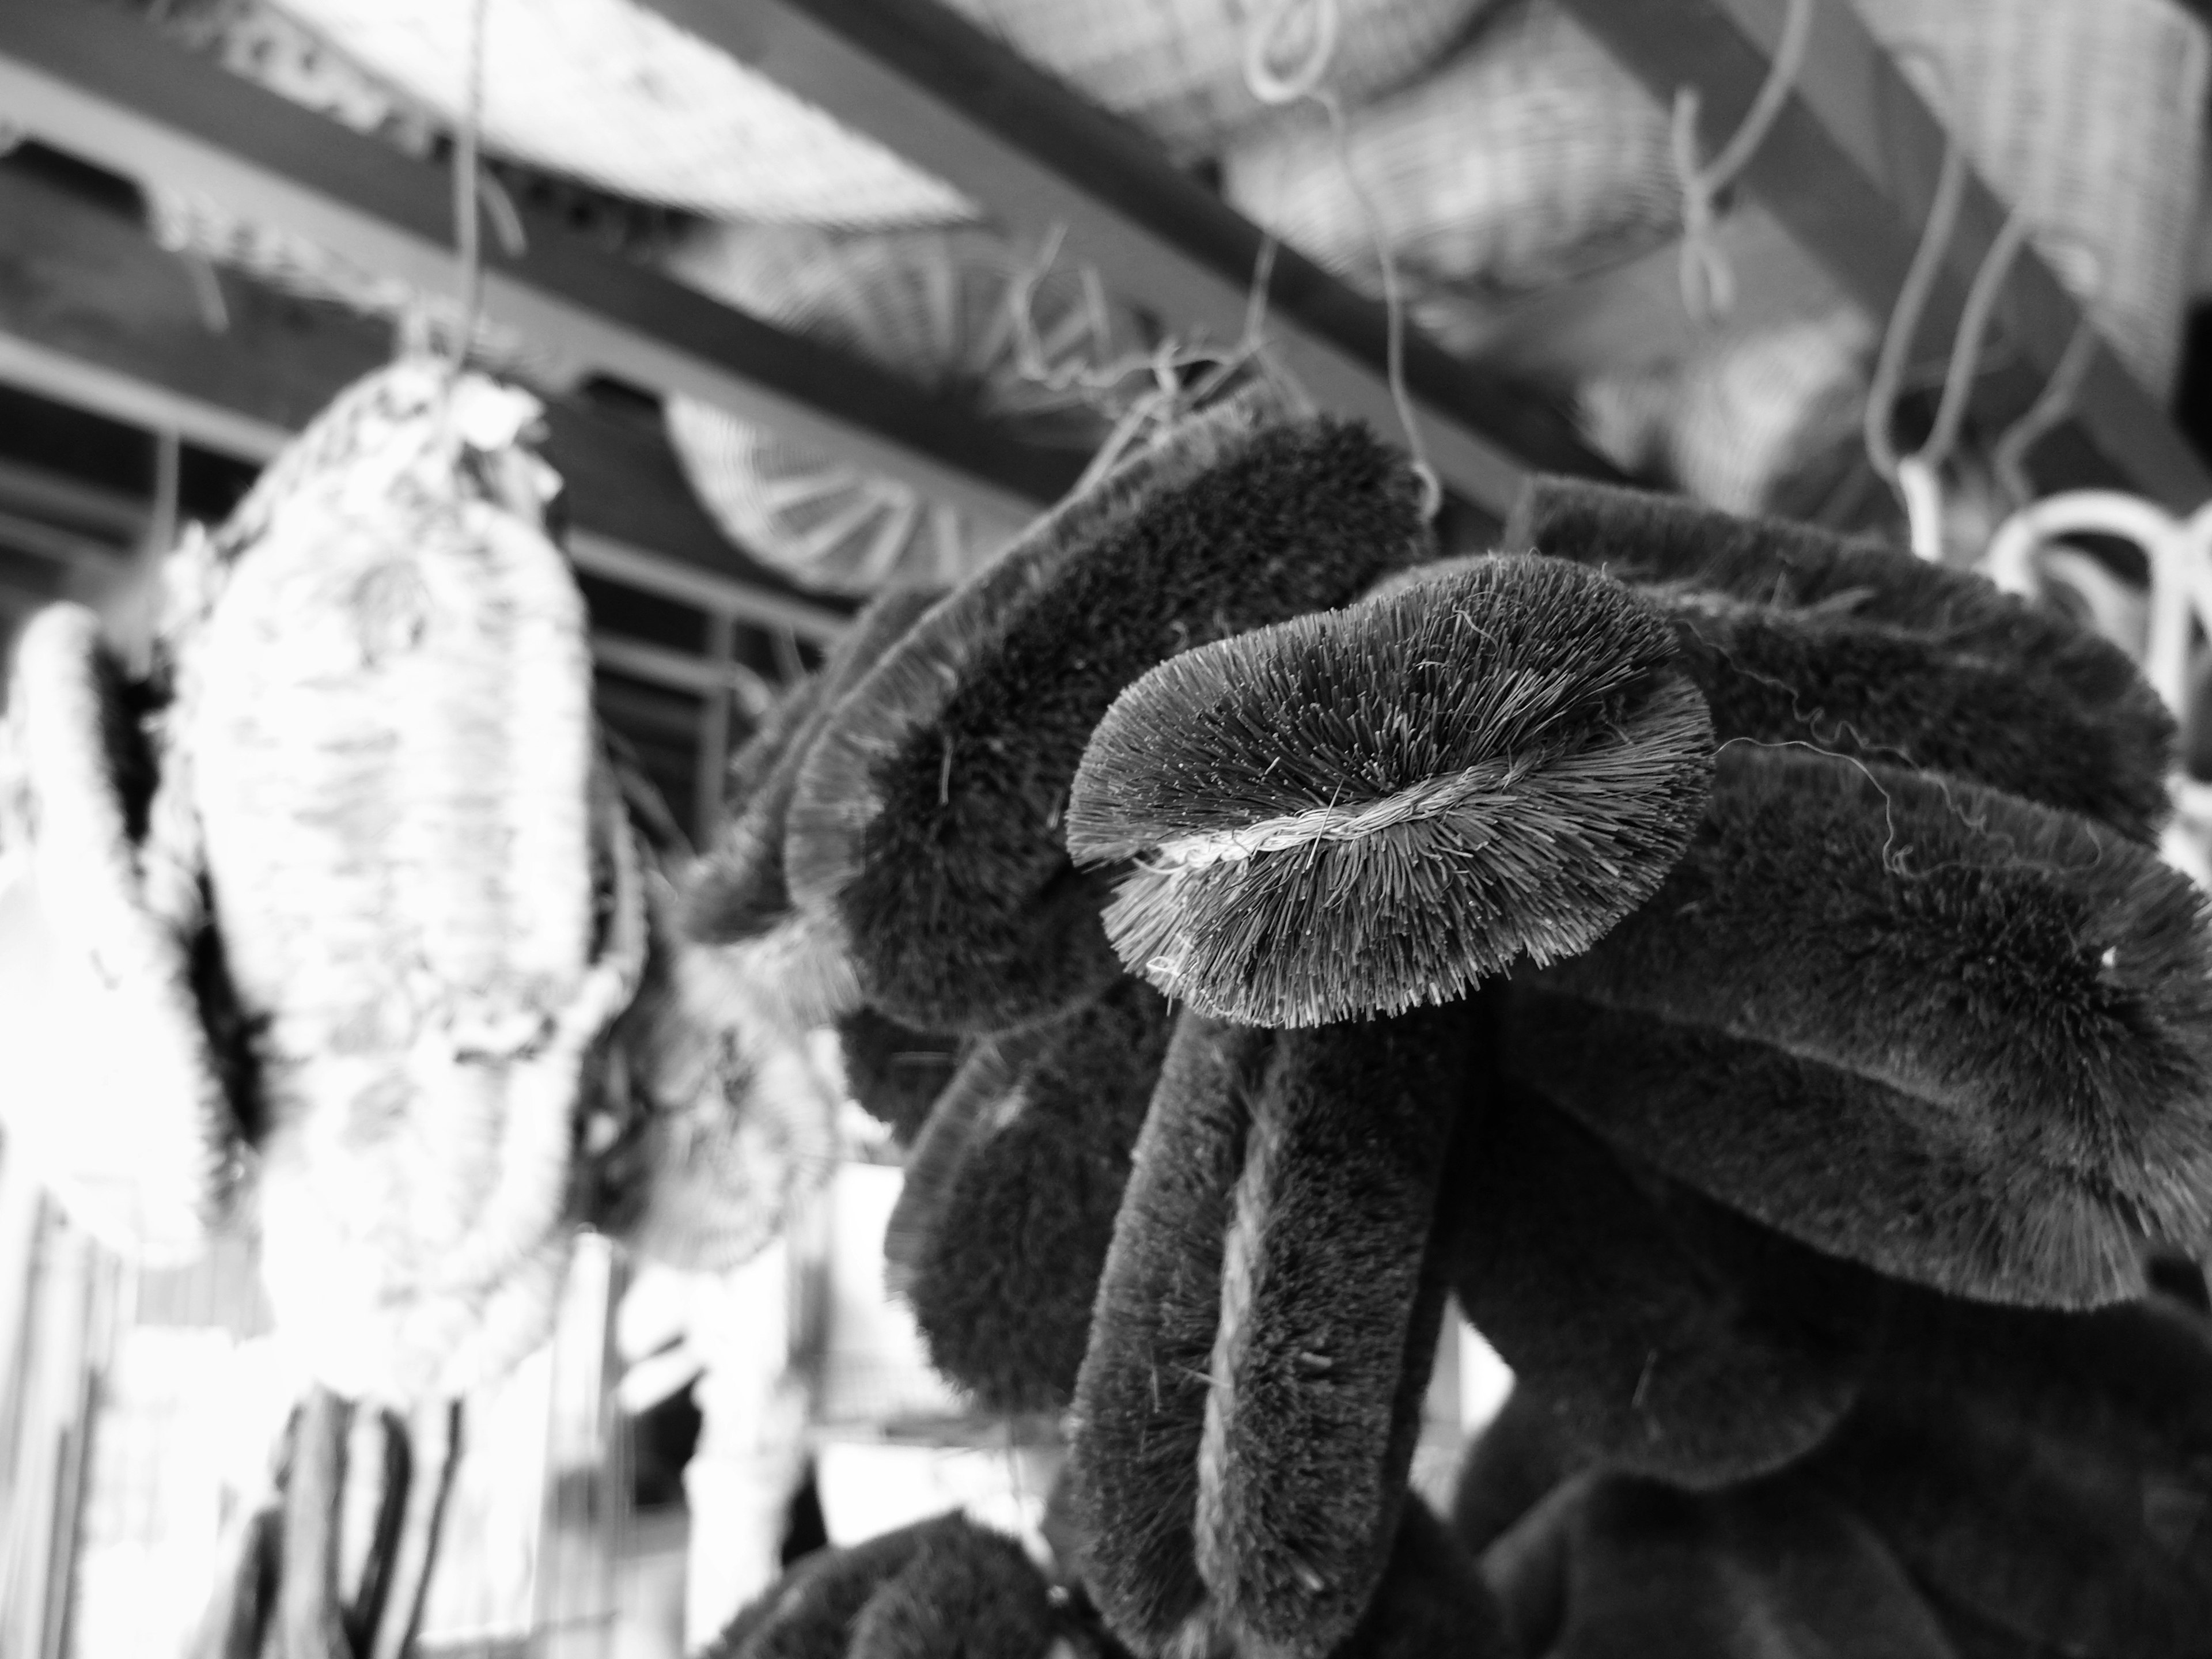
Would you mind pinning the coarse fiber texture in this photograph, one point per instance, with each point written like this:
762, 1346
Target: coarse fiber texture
1285, 1241
117, 1093
1778, 1569
1140, 1395
1826, 678
1002, 1281
1371, 809
1654, 1332
894, 1073
1508, 1469
386, 712
2048, 1474
929, 819
1431, 1602
737, 889
943, 1589
1828, 581
2029, 989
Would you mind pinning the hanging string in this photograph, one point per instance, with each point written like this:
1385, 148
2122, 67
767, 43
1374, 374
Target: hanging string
1911, 301
2050, 410
1276, 87
1707, 279
467, 243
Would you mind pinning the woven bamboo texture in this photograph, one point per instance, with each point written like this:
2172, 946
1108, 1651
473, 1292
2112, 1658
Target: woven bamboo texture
113, 1091
1177, 67
1528, 158
612, 93
2088, 114
428, 893
1735, 417
937, 308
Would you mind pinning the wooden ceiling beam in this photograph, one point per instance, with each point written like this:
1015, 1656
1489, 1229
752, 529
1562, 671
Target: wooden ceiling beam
102, 84
938, 91
1849, 168
92, 313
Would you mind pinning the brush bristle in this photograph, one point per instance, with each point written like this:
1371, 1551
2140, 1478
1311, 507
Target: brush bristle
1658, 1332
738, 890
1665, 542
932, 808
2033, 990
1361, 811
1002, 1281
893, 1073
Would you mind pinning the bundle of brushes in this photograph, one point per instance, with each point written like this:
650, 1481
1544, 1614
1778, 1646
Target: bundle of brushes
1731, 961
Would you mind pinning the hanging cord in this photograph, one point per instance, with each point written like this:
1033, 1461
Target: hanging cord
1708, 281
2051, 409
1915, 482
1278, 89
467, 237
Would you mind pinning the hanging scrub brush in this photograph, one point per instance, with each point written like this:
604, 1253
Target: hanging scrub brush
1263, 1337
1962, 1038
928, 822
2046, 1476
1368, 809
943, 1589
1001, 1229
386, 708
1652, 1330
1794, 634
121, 1092
893, 1073
736, 897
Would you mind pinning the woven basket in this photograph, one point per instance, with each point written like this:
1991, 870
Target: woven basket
610, 92
384, 697
1530, 157
934, 308
2089, 114
1733, 419
1177, 67
113, 1093
738, 1123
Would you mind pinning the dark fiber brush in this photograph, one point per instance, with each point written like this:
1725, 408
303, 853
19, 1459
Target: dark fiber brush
1657, 1332
1264, 1330
1666, 541
2032, 991
1775, 1569
928, 819
943, 1588
893, 1071
2047, 1475
738, 891
1002, 1277
1368, 809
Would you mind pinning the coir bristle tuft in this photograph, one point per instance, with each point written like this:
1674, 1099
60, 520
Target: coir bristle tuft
1360, 812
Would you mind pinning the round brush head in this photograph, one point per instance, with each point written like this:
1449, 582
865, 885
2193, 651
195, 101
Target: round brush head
1358, 811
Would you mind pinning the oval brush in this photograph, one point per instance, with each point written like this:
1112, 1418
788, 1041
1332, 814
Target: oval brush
1362, 810
893, 1073
929, 816
1653, 1330
736, 890
2032, 991
1264, 1330
1002, 1277
1819, 579
2046, 1475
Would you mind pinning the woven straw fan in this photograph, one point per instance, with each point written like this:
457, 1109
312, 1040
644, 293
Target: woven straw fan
113, 1089
387, 711
937, 308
